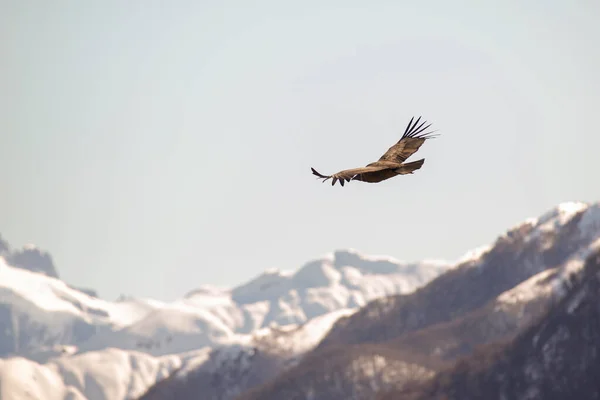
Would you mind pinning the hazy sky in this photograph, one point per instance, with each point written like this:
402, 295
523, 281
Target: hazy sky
153, 147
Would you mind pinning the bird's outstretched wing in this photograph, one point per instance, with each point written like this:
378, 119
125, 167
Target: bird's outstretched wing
409, 143
347, 174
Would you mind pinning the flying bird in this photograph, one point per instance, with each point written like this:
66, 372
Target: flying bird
392, 162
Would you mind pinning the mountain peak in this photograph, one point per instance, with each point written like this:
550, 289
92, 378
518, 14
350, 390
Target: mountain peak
562, 212
317, 273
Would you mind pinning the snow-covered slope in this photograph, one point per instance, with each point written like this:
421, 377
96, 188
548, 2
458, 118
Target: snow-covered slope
344, 279
116, 374
210, 316
40, 311
108, 374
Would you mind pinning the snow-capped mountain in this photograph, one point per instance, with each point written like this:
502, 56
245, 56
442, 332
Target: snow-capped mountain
40, 311
107, 374
491, 294
49, 325
232, 340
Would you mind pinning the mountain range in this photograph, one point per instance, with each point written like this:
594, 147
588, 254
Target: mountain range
58, 333
345, 325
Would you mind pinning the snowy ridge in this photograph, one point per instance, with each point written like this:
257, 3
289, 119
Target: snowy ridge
338, 280
548, 283
298, 339
49, 294
211, 316
288, 341
40, 312
475, 255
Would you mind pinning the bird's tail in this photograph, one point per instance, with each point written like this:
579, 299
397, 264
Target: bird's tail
410, 167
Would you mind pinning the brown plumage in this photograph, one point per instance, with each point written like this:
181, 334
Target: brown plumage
392, 162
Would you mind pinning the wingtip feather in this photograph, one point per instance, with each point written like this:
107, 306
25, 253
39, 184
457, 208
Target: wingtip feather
414, 130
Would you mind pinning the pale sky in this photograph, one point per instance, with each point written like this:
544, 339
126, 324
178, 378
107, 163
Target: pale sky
153, 147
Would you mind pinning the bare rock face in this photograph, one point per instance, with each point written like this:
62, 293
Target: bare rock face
33, 259
4, 247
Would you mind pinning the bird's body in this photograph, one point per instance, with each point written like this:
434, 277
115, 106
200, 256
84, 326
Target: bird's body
391, 163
